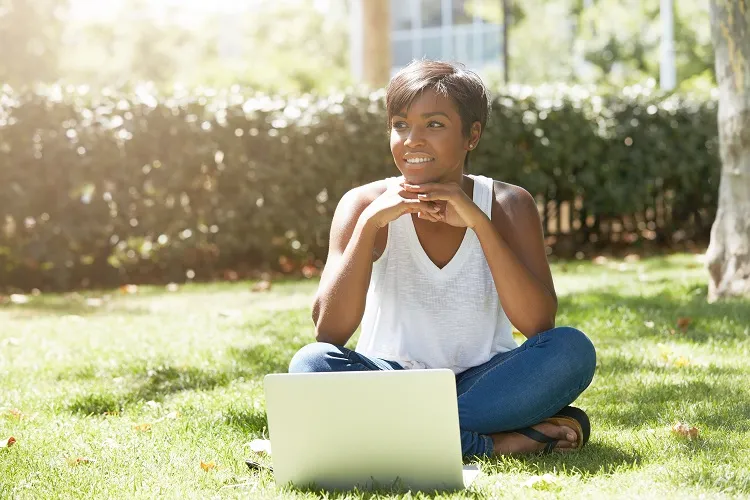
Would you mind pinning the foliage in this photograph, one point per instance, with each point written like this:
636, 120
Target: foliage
99, 189
30, 35
275, 46
611, 42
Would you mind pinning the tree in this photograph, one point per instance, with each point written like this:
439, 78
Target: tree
728, 256
30, 33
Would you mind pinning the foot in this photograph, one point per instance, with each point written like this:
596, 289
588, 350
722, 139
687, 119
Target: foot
512, 443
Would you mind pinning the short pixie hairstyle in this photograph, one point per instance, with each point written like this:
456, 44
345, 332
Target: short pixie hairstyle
449, 79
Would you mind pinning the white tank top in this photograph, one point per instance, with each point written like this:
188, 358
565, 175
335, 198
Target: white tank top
422, 316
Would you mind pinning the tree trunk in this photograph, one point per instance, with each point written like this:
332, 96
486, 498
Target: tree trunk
377, 42
728, 256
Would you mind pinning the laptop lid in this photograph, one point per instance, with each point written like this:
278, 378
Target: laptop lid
376, 429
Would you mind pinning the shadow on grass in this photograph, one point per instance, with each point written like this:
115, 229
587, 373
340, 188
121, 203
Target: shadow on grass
718, 403
616, 364
247, 420
396, 490
155, 385
726, 321
263, 359
594, 459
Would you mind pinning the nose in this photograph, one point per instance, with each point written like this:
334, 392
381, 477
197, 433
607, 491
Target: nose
414, 139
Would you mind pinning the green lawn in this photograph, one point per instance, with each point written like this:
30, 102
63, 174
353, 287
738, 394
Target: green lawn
87, 377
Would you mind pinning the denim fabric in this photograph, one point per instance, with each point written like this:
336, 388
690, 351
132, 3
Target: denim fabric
514, 389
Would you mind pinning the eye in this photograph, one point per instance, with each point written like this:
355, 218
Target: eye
435, 124
399, 125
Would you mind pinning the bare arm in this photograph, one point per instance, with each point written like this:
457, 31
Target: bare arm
340, 300
514, 247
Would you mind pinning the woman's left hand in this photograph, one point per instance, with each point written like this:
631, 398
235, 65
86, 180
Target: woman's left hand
456, 208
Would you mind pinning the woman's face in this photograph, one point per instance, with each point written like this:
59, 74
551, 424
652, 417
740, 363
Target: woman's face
427, 141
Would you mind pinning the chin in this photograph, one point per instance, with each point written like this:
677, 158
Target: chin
415, 176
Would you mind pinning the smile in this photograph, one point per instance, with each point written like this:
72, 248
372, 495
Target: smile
419, 160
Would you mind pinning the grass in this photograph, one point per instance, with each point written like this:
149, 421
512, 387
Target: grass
190, 363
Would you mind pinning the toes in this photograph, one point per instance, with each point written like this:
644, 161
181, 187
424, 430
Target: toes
568, 434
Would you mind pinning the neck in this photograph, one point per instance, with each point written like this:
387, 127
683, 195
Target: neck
459, 178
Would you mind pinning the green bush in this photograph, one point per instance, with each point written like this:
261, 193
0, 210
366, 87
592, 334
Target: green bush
97, 190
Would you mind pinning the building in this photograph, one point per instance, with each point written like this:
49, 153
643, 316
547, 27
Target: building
453, 30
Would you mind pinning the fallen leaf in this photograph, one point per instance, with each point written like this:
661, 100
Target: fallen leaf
18, 298
15, 413
685, 430
7, 443
129, 289
142, 427
684, 323
173, 287
261, 286
260, 446
681, 361
79, 460
207, 466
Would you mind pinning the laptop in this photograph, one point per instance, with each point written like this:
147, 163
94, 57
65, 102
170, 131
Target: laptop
367, 430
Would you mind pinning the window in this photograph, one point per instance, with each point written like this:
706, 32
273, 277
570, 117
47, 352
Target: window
401, 16
460, 12
443, 29
432, 13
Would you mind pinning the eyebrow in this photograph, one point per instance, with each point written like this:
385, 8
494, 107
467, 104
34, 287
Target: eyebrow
426, 115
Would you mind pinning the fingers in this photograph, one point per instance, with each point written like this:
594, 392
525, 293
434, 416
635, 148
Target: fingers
428, 216
424, 210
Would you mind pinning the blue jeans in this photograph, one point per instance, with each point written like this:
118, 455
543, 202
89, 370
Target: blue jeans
512, 390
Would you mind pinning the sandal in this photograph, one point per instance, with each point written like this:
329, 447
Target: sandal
570, 416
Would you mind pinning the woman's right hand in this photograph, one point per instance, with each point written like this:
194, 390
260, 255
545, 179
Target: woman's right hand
395, 202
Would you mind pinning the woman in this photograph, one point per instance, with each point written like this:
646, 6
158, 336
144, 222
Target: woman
436, 265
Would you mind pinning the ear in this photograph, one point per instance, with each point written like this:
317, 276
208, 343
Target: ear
474, 134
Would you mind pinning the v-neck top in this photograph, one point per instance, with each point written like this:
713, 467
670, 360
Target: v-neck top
424, 316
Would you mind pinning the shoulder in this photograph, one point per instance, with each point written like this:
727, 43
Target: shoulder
349, 209
360, 197
512, 201
514, 210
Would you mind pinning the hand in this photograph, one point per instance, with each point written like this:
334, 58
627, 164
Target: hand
456, 208
395, 202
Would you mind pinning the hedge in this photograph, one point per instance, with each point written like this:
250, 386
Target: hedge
107, 188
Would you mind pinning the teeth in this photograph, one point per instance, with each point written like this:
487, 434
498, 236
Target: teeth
418, 160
